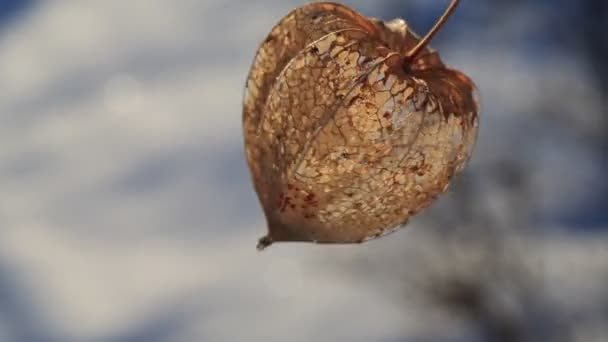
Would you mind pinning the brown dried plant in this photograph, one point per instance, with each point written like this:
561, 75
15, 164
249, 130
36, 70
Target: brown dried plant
352, 125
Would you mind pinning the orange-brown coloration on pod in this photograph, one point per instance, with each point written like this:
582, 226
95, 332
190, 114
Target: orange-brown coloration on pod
352, 125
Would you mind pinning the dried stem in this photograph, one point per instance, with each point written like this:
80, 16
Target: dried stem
425, 41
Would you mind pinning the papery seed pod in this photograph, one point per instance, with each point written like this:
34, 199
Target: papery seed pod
352, 125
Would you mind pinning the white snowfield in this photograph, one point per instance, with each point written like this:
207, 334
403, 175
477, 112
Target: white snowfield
126, 210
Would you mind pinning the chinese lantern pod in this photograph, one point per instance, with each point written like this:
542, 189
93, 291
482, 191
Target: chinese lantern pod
352, 125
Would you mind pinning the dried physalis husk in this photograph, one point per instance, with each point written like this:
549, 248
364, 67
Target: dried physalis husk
352, 125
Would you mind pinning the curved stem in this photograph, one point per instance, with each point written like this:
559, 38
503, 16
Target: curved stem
425, 41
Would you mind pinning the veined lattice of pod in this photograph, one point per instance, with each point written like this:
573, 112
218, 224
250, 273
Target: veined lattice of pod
352, 125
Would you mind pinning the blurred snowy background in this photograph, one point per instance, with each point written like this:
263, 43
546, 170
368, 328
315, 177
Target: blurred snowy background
126, 211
